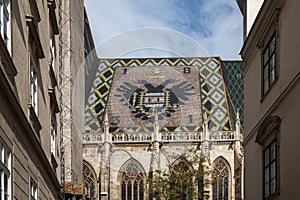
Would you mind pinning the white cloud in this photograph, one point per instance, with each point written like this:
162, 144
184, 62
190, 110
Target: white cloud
226, 29
215, 24
144, 39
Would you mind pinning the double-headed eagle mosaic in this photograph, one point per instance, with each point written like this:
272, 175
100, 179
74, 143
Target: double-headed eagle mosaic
148, 100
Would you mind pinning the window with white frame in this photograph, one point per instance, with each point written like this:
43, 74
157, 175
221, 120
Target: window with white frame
5, 21
53, 127
52, 50
33, 190
5, 172
33, 85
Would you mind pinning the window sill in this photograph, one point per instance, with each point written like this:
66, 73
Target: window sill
34, 120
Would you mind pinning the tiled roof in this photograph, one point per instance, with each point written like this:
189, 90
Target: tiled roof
233, 77
177, 90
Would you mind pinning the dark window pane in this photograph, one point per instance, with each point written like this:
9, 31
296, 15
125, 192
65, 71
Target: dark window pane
272, 76
226, 189
269, 64
220, 189
273, 172
272, 45
266, 56
123, 191
272, 69
266, 72
273, 186
267, 190
267, 157
1, 189
270, 170
141, 189
272, 151
5, 183
129, 191
266, 86
272, 62
5, 21
135, 191
267, 176
214, 190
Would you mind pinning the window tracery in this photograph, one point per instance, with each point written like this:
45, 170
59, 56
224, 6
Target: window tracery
221, 179
90, 181
132, 181
182, 176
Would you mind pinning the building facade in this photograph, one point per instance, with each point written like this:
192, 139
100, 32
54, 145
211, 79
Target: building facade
72, 81
143, 116
41, 55
29, 111
271, 78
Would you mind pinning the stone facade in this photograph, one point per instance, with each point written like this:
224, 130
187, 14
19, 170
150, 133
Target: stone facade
42, 57
72, 94
271, 76
30, 151
143, 114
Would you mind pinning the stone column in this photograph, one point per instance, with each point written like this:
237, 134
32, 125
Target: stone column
104, 165
206, 155
155, 163
155, 157
239, 150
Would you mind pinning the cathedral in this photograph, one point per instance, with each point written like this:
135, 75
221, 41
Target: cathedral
146, 118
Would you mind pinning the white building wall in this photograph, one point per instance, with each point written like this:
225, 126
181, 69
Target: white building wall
253, 7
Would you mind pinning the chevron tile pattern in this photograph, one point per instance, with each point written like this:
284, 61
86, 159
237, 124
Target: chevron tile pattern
219, 96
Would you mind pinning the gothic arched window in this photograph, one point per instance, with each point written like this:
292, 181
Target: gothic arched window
182, 178
220, 175
132, 181
90, 181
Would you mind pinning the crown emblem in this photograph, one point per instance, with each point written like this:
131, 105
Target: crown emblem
156, 74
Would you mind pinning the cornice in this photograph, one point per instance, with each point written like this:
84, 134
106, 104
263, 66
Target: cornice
268, 13
242, 5
255, 128
33, 29
268, 125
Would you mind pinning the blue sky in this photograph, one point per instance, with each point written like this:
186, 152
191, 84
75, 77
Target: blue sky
157, 28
